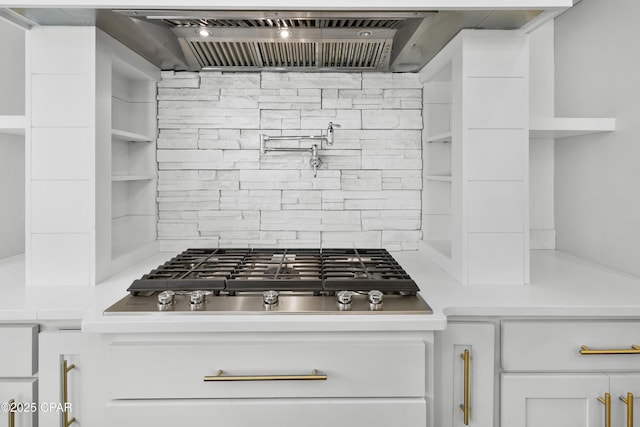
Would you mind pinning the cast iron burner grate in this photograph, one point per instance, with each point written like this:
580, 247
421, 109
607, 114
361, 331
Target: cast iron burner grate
254, 270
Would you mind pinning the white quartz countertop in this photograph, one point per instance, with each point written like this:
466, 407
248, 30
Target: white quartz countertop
561, 285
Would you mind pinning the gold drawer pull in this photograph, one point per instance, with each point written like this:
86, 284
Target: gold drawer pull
633, 350
606, 401
629, 402
219, 377
465, 406
12, 413
66, 422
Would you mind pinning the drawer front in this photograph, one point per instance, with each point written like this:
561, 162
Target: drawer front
361, 368
21, 360
270, 413
556, 345
23, 392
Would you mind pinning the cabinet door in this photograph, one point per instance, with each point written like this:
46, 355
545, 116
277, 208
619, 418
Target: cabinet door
23, 393
621, 386
83, 392
268, 413
478, 340
553, 400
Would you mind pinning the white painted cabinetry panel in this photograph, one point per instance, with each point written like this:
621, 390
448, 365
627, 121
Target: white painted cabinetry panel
552, 400
496, 206
451, 344
62, 50
620, 387
61, 100
496, 154
23, 392
356, 369
490, 103
269, 413
19, 359
496, 258
555, 345
60, 259
61, 153
61, 207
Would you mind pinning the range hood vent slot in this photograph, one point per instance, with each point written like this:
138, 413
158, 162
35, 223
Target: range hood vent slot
361, 55
278, 23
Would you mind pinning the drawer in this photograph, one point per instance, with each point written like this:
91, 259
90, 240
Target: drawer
556, 345
353, 368
23, 392
269, 413
21, 357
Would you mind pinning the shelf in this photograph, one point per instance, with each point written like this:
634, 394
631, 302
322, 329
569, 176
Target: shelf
124, 135
442, 178
564, 127
124, 178
443, 137
13, 125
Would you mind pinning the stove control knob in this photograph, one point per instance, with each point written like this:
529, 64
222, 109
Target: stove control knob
375, 299
344, 300
166, 299
196, 300
344, 297
270, 299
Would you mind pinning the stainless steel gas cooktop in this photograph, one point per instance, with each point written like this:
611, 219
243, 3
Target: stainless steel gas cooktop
310, 281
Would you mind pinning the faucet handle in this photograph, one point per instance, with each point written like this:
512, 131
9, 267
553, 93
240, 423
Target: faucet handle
330, 128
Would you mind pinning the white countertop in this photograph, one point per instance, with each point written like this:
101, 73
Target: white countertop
561, 285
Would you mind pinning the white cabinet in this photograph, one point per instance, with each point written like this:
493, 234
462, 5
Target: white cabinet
552, 400
269, 413
126, 157
18, 397
475, 141
70, 349
465, 375
92, 179
272, 379
18, 366
569, 373
12, 147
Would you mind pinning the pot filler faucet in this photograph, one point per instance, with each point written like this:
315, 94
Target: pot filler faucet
315, 161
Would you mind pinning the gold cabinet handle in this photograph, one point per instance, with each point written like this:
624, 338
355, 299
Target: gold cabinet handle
466, 357
219, 377
633, 350
606, 401
12, 413
66, 421
629, 402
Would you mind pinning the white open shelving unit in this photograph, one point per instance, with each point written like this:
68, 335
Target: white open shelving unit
126, 164
565, 127
13, 124
475, 221
437, 167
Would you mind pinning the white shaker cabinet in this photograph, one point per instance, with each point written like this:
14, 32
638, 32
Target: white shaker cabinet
553, 400
569, 373
68, 392
269, 413
268, 379
18, 368
464, 375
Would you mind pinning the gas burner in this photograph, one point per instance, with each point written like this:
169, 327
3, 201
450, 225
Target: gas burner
276, 280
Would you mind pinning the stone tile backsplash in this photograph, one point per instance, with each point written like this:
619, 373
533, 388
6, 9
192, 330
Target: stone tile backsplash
216, 189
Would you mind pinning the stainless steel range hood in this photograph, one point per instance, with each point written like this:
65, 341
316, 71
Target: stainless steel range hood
253, 40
